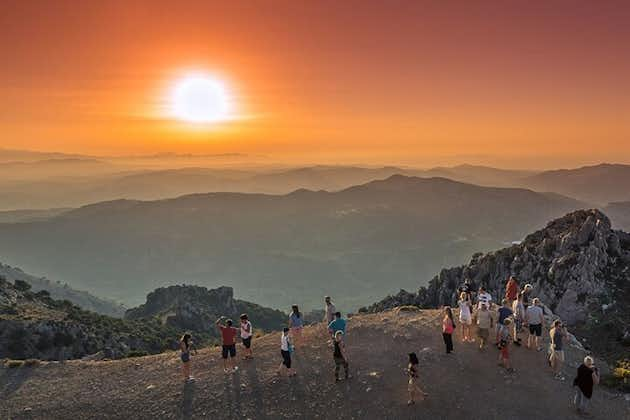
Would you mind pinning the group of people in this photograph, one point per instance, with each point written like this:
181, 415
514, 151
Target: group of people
504, 322
517, 311
290, 340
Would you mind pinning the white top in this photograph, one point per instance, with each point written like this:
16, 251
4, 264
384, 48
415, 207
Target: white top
245, 326
330, 311
464, 309
534, 315
484, 297
518, 309
284, 342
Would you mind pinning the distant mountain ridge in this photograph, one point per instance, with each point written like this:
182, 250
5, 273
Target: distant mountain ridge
61, 291
281, 249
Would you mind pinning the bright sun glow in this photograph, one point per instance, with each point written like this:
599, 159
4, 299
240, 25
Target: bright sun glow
201, 99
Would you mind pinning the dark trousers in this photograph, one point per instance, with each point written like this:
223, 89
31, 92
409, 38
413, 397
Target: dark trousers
448, 340
339, 362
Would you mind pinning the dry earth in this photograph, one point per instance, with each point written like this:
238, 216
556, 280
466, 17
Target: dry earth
465, 385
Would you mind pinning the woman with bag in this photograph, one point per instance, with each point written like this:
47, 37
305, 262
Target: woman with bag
448, 327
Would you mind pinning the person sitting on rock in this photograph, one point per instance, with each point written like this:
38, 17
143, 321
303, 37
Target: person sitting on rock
228, 338
558, 335
337, 324
339, 355
413, 388
246, 336
534, 316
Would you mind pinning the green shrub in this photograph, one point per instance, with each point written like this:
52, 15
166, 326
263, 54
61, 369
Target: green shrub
137, 353
31, 363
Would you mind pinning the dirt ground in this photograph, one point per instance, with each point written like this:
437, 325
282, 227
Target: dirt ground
467, 384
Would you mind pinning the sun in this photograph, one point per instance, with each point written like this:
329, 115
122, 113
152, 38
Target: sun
201, 99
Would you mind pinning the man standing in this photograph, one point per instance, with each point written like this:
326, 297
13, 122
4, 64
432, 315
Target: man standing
484, 298
337, 324
519, 318
558, 335
503, 313
484, 325
228, 338
511, 290
330, 310
246, 336
534, 317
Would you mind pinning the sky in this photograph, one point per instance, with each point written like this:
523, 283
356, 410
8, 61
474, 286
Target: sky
516, 83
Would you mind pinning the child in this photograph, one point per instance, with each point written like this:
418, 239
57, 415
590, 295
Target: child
414, 388
286, 348
504, 344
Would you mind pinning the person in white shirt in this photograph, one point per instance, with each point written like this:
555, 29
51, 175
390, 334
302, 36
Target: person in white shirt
246, 336
534, 316
484, 298
285, 350
330, 310
465, 316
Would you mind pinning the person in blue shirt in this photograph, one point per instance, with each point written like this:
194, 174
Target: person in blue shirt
504, 313
337, 324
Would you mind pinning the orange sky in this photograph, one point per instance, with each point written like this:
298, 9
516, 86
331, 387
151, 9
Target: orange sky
527, 84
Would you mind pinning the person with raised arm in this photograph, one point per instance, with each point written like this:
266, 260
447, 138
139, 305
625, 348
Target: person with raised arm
228, 339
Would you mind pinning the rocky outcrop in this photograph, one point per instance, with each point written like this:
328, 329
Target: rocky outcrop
35, 326
576, 264
196, 308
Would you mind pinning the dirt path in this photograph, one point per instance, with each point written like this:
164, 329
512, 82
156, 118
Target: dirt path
467, 384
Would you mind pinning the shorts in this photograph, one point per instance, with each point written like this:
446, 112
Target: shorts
286, 358
483, 333
296, 331
231, 349
247, 342
413, 384
535, 330
185, 357
558, 355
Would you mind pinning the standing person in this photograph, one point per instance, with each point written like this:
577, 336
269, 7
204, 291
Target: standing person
587, 377
414, 388
448, 326
484, 325
534, 316
285, 350
329, 309
483, 297
526, 295
228, 338
519, 318
185, 345
467, 288
339, 355
296, 323
558, 334
337, 324
503, 313
246, 336
511, 290
504, 344
465, 316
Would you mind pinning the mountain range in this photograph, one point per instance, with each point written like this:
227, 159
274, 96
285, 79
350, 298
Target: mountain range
357, 244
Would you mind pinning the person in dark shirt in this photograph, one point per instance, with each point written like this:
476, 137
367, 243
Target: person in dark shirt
503, 313
339, 355
587, 377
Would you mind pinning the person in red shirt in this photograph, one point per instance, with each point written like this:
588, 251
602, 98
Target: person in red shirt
228, 338
511, 290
